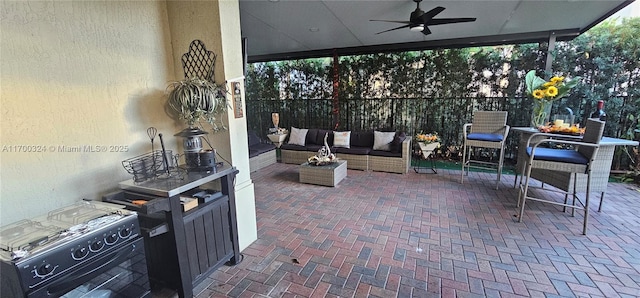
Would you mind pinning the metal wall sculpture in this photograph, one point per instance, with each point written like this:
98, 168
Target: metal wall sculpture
198, 62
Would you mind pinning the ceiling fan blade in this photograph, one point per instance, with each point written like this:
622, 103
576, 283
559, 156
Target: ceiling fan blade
405, 26
449, 21
419, 18
432, 13
390, 21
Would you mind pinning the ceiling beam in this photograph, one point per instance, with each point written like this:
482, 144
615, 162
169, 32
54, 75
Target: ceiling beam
531, 37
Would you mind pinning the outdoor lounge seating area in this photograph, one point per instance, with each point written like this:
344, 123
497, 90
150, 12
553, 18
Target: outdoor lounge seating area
367, 150
384, 235
147, 105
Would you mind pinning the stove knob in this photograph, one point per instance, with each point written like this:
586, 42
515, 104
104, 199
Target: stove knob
124, 233
111, 239
80, 253
44, 270
96, 245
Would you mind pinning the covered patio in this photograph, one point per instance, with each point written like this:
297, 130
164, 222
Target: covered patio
423, 235
426, 235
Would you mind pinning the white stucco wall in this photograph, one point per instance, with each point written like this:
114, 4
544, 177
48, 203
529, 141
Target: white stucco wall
83, 76
217, 23
77, 74
238, 149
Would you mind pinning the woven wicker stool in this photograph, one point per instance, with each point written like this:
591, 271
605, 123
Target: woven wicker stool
578, 160
488, 130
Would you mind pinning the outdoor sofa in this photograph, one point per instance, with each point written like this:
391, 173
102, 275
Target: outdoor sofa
261, 153
357, 149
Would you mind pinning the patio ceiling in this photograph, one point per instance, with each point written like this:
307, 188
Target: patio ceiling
293, 29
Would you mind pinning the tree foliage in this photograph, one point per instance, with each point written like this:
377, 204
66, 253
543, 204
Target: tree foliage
438, 90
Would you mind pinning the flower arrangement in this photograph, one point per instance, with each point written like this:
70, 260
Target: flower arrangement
427, 138
544, 93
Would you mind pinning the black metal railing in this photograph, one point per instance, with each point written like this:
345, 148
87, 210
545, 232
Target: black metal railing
446, 116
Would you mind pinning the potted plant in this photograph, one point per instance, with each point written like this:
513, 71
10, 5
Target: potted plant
196, 100
428, 142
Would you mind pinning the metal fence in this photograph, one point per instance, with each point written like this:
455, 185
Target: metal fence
446, 116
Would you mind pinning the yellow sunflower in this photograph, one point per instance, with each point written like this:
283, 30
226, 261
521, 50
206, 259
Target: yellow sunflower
548, 84
539, 94
556, 80
552, 91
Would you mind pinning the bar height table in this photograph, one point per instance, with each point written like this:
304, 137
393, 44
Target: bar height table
564, 181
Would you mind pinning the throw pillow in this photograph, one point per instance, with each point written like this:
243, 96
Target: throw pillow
382, 140
298, 135
341, 139
396, 144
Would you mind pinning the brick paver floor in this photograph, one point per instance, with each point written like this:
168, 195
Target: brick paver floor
426, 235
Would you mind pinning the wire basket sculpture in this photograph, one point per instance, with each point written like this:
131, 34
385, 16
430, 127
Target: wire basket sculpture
150, 165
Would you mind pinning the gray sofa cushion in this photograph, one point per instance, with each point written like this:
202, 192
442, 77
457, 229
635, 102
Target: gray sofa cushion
385, 153
260, 148
361, 144
312, 134
320, 133
352, 150
396, 144
362, 139
293, 147
253, 138
314, 148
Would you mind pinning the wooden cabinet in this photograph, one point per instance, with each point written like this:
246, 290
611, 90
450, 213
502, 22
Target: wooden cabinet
208, 238
183, 248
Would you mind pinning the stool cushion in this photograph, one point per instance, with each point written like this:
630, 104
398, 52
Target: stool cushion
559, 155
489, 137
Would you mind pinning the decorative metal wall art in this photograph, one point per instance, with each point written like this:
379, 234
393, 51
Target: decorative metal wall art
198, 62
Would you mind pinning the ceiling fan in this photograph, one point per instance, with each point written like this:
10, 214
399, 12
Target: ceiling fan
420, 20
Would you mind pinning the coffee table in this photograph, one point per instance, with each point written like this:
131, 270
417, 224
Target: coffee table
327, 175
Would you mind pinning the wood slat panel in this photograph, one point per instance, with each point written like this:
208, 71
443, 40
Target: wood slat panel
219, 230
192, 255
210, 239
226, 237
201, 245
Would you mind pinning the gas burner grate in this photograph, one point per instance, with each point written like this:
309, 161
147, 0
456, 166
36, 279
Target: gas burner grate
79, 213
26, 234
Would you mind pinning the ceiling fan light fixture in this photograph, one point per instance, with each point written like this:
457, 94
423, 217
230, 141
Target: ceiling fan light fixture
416, 27
419, 21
